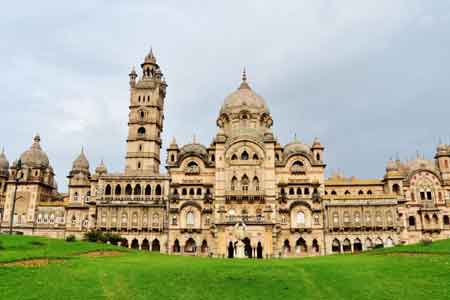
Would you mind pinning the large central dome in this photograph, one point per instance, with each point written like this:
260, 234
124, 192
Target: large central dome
244, 98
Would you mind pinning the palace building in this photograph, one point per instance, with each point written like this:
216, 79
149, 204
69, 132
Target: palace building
243, 195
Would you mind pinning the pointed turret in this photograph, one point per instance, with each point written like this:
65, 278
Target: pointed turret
4, 164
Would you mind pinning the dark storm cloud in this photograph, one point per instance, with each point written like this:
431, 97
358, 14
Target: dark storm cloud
370, 78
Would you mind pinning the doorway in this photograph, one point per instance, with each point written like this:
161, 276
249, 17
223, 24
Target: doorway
259, 251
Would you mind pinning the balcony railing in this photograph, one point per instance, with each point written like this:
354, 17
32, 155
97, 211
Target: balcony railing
247, 196
132, 198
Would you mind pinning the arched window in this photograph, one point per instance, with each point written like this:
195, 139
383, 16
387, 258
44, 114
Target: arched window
347, 193
256, 183
118, 190
172, 157
299, 191
199, 191
297, 167
360, 192
244, 155
158, 190
190, 219
306, 191
148, 190
141, 131
317, 156
139, 165
234, 157
396, 189
174, 220
137, 189
108, 190
193, 167
291, 191
142, 114
75, 196
277, 157
213, 158
335, 246
128, 189
357, 217
412, 221
333, 193
244, 183
191, 192
336, 218
124, 219
184, 192
300, 218
255, 156
446, 220
139, 98
435, 219
233, 183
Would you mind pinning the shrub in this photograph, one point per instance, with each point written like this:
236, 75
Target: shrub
71, 238
103, 237
93, 235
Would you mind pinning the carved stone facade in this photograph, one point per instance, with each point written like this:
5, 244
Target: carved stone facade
244, 195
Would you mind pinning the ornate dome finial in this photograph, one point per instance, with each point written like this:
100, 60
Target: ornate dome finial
81, 163
150, 57
244, 83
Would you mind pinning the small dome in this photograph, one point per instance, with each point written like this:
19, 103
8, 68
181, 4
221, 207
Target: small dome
81, 163
296, 147
194, 148
35, 157
316, 143
101, 168
442, 148
4, 163
244, 98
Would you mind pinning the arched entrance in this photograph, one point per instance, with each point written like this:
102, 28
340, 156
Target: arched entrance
134, 244
145, 245
230, 250
315, 246
286, 248
346, 246
259, 251
176, 246
190, 246
336, 246
357, 245
155, 245
248, 247
300, 247
204, 247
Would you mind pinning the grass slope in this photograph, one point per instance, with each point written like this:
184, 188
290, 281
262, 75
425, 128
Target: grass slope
139, 275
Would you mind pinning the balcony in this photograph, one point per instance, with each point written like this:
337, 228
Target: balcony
244, 196
132, 198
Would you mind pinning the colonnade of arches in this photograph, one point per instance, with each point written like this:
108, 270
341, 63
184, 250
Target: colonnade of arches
190, 246
300, 247
347, 245
145, 244
250, 250
137, 190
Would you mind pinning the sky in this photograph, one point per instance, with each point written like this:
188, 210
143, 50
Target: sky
369, 78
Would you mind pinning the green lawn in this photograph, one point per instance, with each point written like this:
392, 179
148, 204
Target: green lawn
139, 275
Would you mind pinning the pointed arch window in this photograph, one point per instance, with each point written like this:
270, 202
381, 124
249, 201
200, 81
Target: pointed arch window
148, 190
300, 218
158, 190
234, 183
244, 155
255, 157
244, 183
256, 183
190, 218
128, 189
234, 157
137, 189
118, 190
